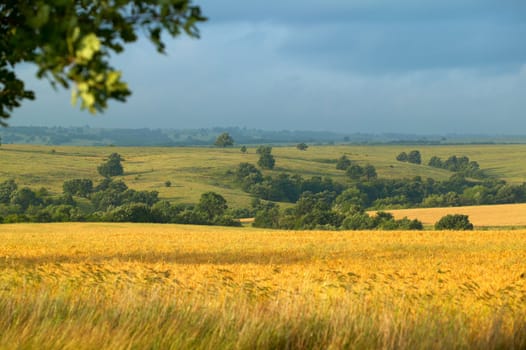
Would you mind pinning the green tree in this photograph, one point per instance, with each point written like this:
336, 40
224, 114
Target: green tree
343, 163
402, 157
435, 162
71, 42
6, 190
130, 212
369, 172
302, 146
264, 149
454, 222
243, 149
224, 140
355, 172
266, 161
112, 167
25, 197
212, 205
78, 187
414, 157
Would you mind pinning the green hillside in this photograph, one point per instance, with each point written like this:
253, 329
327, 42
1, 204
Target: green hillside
193, 171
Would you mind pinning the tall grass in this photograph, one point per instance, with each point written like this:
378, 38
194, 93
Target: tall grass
98, 286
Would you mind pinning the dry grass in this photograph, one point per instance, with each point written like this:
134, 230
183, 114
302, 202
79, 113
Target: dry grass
124, 286
480, 216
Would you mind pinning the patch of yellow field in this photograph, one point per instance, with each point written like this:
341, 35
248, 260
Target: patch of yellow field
483, 215
98, 285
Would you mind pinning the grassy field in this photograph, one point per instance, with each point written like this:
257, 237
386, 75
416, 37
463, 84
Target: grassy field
479, 216
193, 171
139, 286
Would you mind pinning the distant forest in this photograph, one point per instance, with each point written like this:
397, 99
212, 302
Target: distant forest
87, 136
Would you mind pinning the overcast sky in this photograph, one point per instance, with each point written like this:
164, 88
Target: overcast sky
413, 66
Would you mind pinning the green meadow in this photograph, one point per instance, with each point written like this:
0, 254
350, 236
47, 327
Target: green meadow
193, 170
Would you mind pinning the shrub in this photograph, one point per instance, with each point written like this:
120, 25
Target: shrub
454, 222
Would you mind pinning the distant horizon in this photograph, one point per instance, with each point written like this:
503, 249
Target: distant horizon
248, 129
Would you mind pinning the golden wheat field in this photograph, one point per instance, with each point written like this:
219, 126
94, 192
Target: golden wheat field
480, 216
145, 286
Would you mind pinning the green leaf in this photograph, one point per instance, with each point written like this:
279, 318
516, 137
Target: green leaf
89, 46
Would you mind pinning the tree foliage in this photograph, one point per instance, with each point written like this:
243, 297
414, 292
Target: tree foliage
212, 205
224, 140
78, 187
413, 157
266, 159
112, 167
343, 163
71, 42
454, 222
302, 146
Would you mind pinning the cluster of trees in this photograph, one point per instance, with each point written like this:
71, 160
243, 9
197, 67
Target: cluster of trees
355, 171
412, 157
109, 201
328, 211
380, 194
462, 165
283, 187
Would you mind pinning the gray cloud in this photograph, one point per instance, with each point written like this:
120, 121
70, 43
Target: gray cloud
405, 66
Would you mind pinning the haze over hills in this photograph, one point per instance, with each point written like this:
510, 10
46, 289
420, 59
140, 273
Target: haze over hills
88, 136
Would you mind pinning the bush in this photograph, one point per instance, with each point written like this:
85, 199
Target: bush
454, 222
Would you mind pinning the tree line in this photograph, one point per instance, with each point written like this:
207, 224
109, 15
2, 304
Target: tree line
109, 201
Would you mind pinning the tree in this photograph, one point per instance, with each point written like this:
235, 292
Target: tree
343, 163
6, 190
302, 146
369, 172
414, 157
247, 170
112, 167
243, 149
266, 161
78, 187
71, 42
454, 222
402, 157
264, 149
25, 197
224, 140
212, 205
355, 171
435, 162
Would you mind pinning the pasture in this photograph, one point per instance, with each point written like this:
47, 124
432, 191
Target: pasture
193, 171
121, 286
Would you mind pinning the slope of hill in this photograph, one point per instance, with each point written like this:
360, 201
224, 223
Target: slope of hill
193, 171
